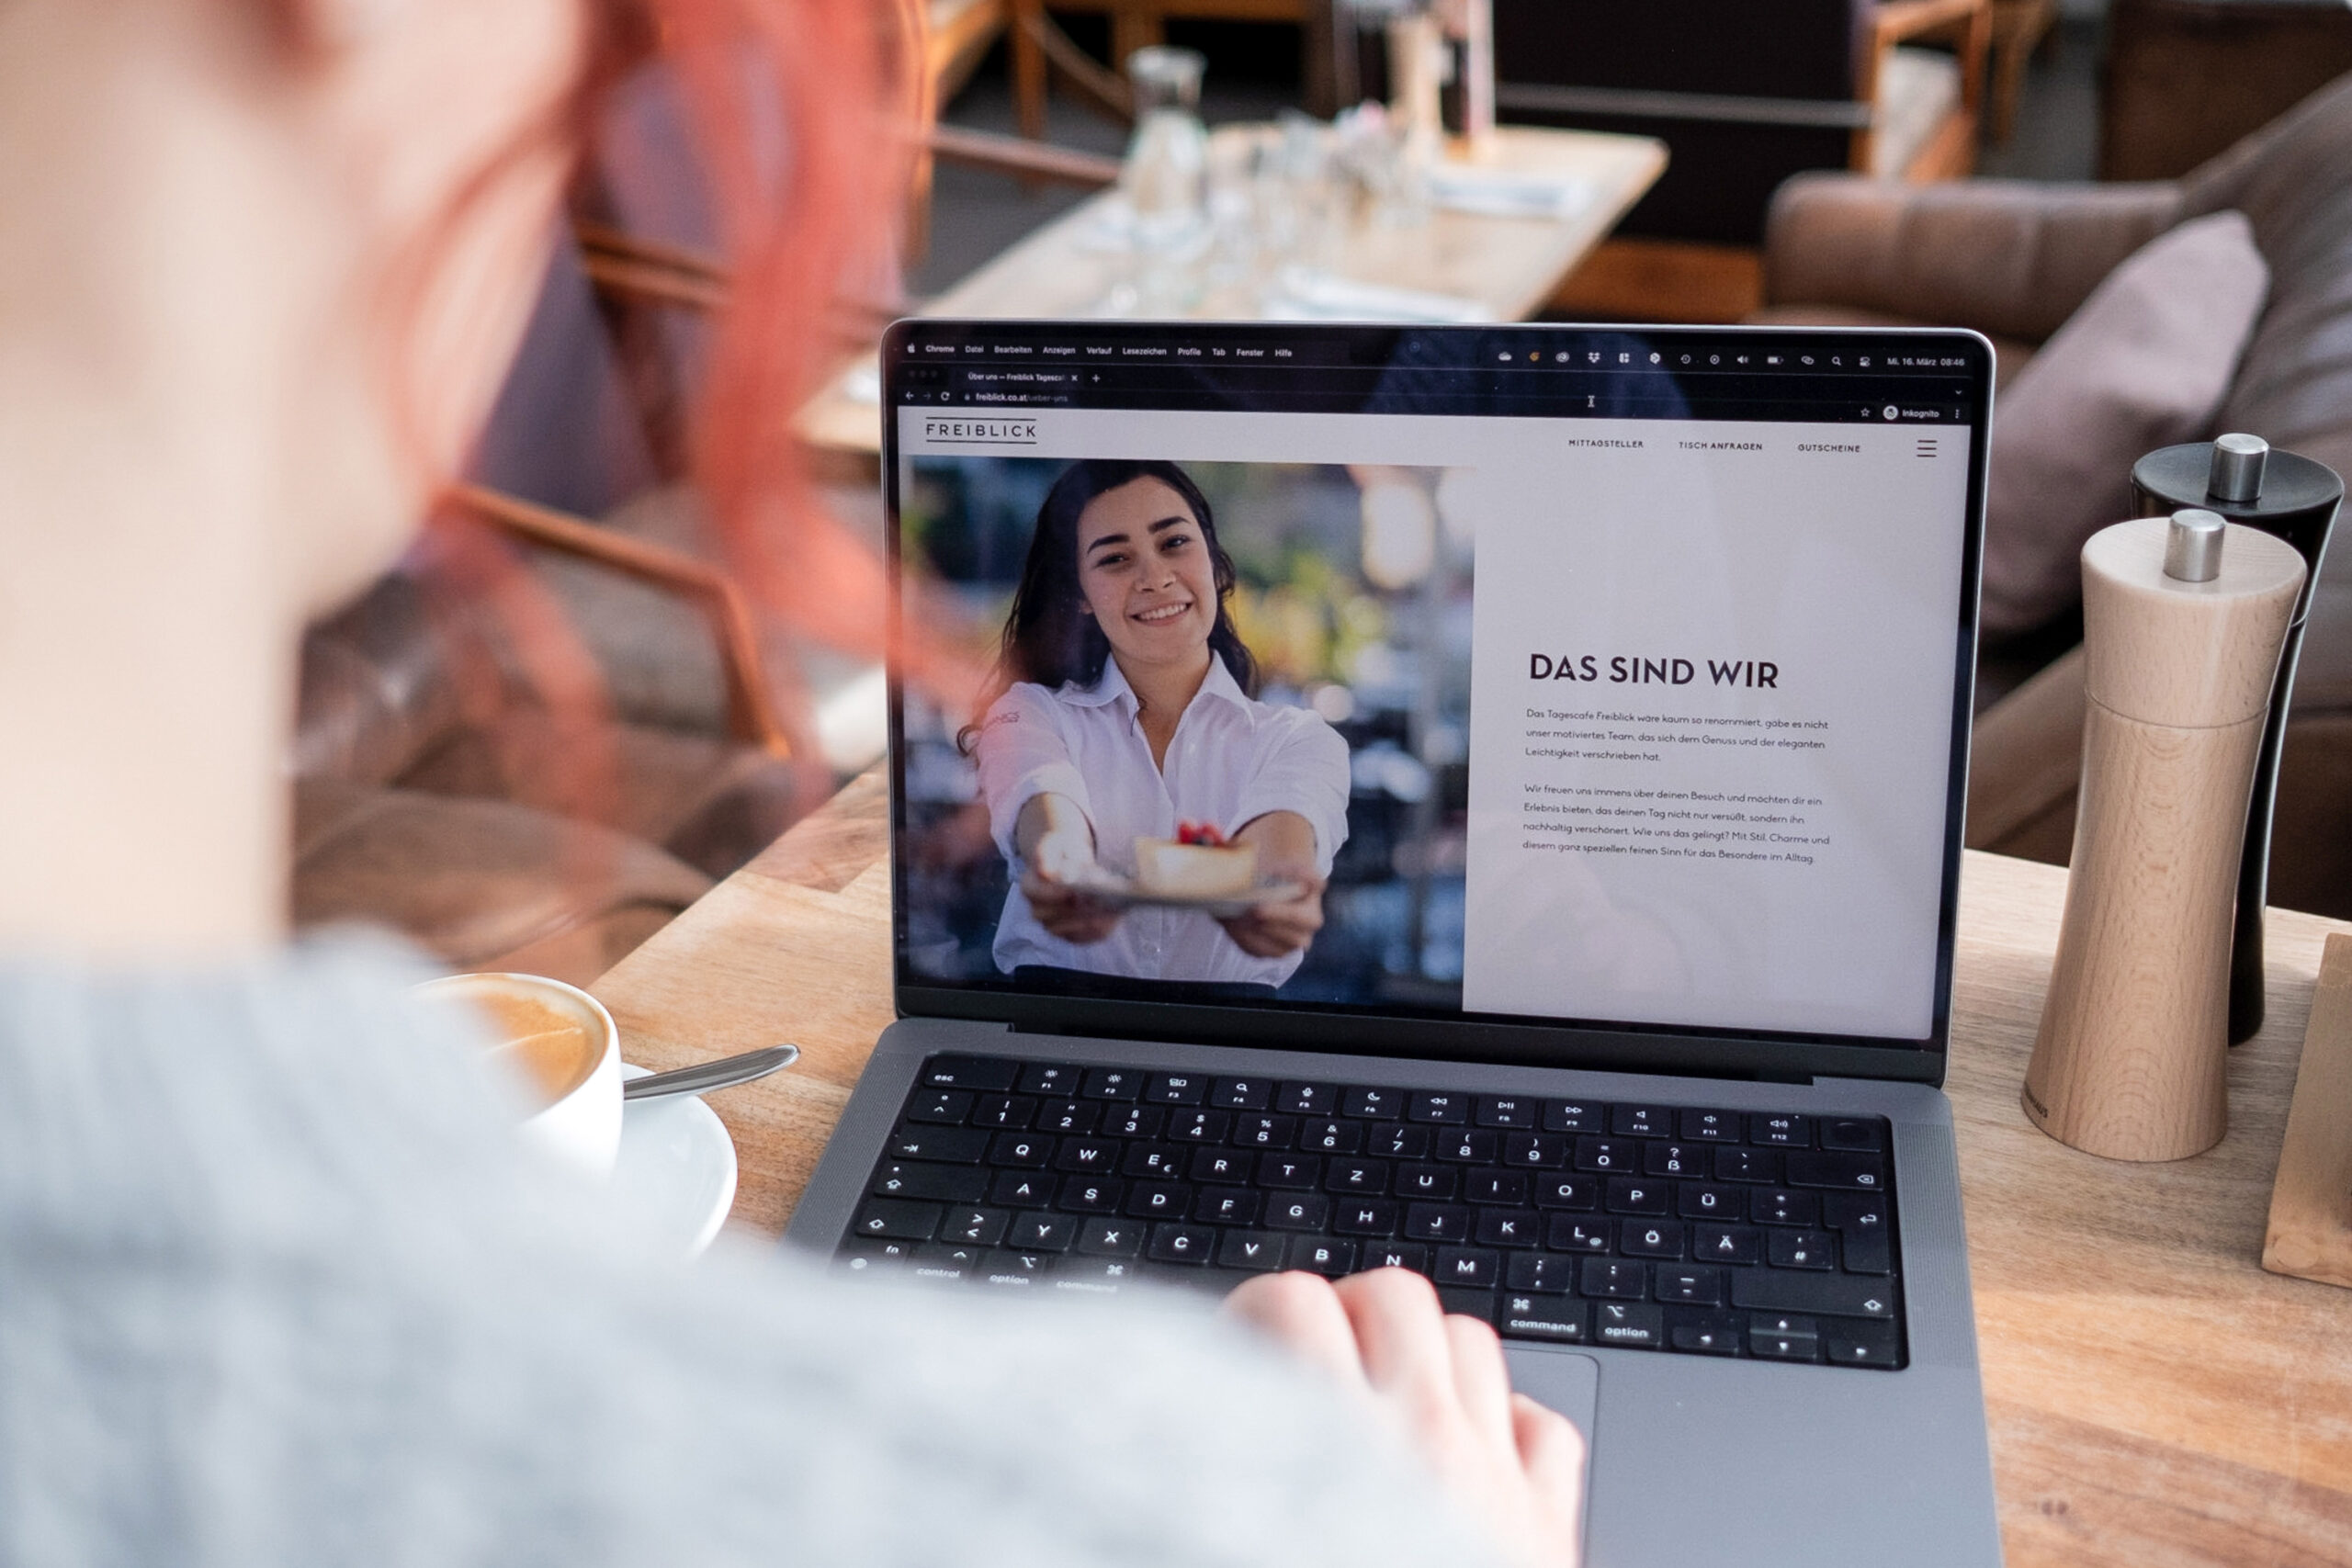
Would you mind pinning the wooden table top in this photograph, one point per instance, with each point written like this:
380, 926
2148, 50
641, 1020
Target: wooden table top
1508, 266
2155, 1398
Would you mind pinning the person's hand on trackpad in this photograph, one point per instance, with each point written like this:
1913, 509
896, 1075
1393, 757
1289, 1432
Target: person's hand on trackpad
1507, 1459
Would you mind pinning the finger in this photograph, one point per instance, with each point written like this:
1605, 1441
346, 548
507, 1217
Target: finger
1401, 1334
1303, 1313
1480, 1378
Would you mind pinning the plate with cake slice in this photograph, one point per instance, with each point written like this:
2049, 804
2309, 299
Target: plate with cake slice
1198, 868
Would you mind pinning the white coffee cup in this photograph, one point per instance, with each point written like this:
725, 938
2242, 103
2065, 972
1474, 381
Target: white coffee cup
562, 1048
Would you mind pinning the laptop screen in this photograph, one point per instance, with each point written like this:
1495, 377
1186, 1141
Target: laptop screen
1612, 677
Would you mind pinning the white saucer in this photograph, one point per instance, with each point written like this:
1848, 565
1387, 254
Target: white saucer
676, 1167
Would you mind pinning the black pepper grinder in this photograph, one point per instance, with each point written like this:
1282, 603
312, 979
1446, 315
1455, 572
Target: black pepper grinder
2296, 499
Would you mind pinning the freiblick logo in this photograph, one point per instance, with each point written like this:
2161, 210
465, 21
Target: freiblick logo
979, 432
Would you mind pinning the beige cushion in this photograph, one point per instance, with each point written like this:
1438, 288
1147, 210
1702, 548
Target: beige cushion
2144, 363
1917, 91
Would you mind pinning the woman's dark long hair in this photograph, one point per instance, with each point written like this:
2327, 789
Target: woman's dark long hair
1049, 638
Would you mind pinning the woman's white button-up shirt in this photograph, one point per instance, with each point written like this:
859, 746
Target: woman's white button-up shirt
1231, 760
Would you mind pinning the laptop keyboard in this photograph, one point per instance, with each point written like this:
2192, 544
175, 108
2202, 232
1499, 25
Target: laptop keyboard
1679, 1228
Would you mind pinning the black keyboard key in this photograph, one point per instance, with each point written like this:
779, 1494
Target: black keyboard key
1535, 1151
1726, 1243
1674, 1159
1108, 1238
949, 1145
1199, 1126
1021, 1190
1860, 1132
1250, 1249
1696, 1201
1436, 1222
1630, 1195
1470, 1146
874, 1257
1831, 1295
1801, 1249
1021, 1151
1474, 1267
1227, 1206
1330, 1258
1299, 1212
1307, 1099
1515, 1112
1863, 1345
1156, 1162
1779, 1206
1332, 1136
1356, 1216
1372, 1104
1398, 1141
1089, 1195
1641, 1120
1664, 1239
979, 1073
1133, 1120
1616, 1277
1784, 1338
1087, 1157
945, 1107
897, 1220
1176, 1088
1630, 1325
1703, 1332
1573, 1116
1462, 1302
1003, 1111
1055, 1078
1159, 1201
1182, 1243
1709, 1127
1069, 1116
1567, 1192
1854, 1211
1868, 1252
1508, 1227
1223, 1165
1395, 1255
1290, 1173
1689, 1285
1780, 1130
1240, 1094
1442, 1108
1747, 1165
1544, 1317
1569, 1234
935, 1183
1865, 1173
947, 1262
1356, 1177
1431, 1183
1542, 1272
1265, 1131
1113, 1083
1097, 1276
1509, 1187
1608, 1155
1042, 1232
976, 1227
1007, 1269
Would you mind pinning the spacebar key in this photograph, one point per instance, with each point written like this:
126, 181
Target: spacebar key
1834, 1295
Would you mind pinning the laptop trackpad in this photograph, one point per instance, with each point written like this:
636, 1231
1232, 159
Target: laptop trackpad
1563, 1381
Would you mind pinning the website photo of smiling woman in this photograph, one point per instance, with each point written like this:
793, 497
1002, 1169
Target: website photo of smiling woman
1164, 823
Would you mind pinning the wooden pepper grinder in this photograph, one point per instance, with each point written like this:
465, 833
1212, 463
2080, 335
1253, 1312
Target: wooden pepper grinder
2183, 619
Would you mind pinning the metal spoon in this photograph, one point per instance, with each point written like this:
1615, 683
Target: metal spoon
703, 1077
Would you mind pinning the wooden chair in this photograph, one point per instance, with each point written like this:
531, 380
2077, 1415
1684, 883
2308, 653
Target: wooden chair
2019, 29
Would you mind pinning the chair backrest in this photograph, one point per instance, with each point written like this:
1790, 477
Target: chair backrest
1745, 95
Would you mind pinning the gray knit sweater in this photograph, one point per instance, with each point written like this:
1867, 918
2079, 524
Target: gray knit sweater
274, 1289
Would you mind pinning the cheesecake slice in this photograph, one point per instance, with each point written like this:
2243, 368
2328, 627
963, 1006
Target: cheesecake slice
1168, 868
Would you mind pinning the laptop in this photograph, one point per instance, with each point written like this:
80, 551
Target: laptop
1483, 800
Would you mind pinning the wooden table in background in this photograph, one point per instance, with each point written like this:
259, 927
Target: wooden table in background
1510, 267
2155, 1399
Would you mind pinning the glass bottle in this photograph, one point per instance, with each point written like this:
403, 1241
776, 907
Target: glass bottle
1166, 175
